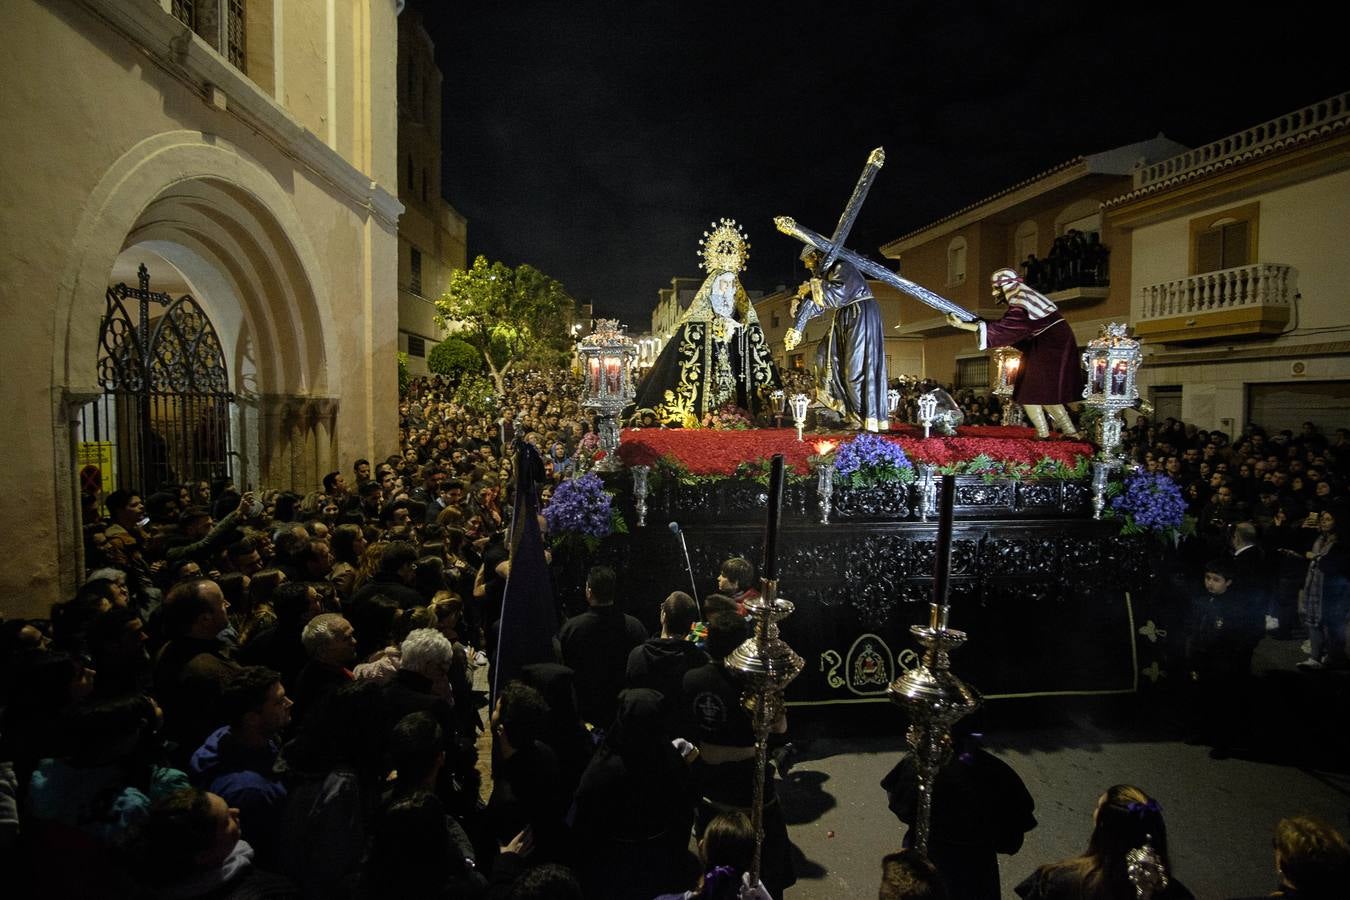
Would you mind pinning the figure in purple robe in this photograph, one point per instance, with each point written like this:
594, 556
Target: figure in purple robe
1051, 373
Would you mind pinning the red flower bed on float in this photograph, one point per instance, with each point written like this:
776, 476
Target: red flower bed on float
708, 452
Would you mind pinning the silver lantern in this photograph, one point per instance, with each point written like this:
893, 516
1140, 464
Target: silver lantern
607, 358
1112, 362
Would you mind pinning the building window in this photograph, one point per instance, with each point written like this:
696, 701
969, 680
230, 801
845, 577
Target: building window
185, 11
1223, 245
1225, 240
972, 372
416, 346
234, 33
219, 22
415, 277
1025, 239
775, 318
799, 360
424, 185
956, 261
412, 174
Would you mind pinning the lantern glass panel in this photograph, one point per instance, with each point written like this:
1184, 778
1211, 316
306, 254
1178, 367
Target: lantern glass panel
1120, 369
1098, 375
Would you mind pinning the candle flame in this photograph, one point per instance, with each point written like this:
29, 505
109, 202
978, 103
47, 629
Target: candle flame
823, 447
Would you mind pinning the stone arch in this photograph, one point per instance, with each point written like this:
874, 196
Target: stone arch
207, 206
199, 190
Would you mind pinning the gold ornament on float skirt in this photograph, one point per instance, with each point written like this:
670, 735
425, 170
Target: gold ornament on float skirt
725, 248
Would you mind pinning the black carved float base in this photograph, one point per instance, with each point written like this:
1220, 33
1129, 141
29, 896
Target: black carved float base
1047, 603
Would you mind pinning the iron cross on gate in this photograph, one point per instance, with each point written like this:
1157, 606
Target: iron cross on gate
833, 247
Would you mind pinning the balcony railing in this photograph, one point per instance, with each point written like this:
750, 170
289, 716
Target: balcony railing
1247, 301
1262, 284
1282, 131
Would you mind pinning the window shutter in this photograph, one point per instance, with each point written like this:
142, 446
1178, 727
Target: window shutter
1209, 251
1235, 245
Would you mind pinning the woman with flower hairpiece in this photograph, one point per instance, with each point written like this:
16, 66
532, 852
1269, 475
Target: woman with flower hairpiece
725, 852
1126, 857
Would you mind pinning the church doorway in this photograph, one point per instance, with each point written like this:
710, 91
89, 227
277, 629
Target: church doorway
164, 413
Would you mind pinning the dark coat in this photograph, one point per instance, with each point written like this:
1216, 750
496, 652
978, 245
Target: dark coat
1051, 371
388, 586
635, 849
660, 664
980, 808
189, 676
595, 645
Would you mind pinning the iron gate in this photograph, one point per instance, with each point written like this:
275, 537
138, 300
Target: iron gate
164, 416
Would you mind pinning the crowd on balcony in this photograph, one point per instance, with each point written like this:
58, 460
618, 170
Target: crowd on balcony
275, 694
1075, 260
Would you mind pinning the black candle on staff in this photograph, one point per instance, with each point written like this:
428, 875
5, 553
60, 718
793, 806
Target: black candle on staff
942, 566
770, 567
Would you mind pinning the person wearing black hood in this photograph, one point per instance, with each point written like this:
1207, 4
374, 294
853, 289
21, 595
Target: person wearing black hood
660, 663
632, 849
563, 731
981, 808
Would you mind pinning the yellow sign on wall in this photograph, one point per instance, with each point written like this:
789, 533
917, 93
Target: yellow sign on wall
95, 467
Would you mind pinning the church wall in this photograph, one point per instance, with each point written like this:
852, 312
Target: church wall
926, 265
304, 51
98, 129
941, 351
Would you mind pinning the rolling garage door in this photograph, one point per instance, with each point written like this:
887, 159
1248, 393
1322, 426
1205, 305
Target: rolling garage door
1276, 407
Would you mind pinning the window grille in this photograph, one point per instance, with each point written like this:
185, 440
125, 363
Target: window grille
234, 33
973, 372
185, 11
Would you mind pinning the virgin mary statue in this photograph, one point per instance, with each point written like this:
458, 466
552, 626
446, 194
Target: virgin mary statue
718, 355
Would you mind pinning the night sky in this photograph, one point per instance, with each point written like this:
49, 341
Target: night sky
596, 141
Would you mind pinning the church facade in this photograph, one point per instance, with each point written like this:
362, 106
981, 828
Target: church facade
245, 155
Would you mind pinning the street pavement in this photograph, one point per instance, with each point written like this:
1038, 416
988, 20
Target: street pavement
1220, 813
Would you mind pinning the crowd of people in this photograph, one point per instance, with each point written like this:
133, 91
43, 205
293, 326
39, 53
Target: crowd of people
1269, 508
259, 694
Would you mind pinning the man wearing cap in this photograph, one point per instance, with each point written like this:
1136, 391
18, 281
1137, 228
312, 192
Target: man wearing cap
1052, 371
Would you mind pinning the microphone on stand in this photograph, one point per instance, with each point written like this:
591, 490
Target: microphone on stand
675, 530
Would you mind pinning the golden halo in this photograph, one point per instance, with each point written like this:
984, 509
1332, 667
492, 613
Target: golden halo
725, 248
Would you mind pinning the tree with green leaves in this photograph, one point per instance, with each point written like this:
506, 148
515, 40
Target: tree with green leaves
452, 356
513, 317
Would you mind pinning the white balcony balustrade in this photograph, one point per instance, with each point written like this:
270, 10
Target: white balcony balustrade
1293, 128
1245, 300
